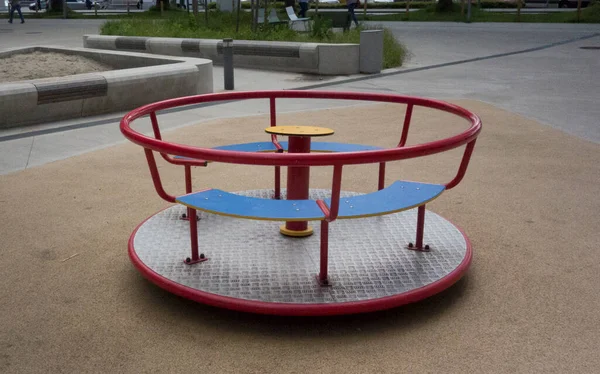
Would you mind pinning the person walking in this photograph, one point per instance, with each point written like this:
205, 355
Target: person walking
14, 4
352, 4
303, 8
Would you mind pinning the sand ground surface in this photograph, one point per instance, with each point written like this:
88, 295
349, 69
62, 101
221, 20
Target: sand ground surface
38, 65
72, 301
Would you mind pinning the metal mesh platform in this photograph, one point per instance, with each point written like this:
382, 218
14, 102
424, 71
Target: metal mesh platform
251, 263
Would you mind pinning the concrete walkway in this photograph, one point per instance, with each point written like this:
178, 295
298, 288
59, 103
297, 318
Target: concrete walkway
537, 70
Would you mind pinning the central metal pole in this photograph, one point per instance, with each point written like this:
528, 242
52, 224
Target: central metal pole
297, 185
228, 63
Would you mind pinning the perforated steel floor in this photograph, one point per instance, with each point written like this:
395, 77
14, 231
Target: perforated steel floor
250, 260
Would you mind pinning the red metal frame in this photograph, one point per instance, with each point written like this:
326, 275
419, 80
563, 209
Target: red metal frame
420, 226
381, 181
196, 156
273, 113
299, 162
187, 163
196, 258
324, 254
407, 119
287, 159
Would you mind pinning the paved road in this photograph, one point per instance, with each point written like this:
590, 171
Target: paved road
537, 70
533, 9
549, 81
67, 33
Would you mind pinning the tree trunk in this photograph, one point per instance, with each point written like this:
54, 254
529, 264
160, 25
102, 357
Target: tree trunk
252, 25
237, 18
444, 6
56, 5
166, 4
254, 12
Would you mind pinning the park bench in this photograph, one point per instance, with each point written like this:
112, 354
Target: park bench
272, 19
295, 20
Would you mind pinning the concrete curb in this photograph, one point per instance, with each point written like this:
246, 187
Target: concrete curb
315, 58
139, 79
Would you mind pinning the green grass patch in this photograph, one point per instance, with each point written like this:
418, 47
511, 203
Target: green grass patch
394, 53
591, 14
177, 24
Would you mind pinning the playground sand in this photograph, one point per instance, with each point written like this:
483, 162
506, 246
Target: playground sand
72, 301
36, 65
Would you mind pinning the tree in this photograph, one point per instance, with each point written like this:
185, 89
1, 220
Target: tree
195, 8
444, 6
56, 5
166, 4
237, 17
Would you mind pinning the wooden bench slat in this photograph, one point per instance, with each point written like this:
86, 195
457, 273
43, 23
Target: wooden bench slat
399, 196
225, 203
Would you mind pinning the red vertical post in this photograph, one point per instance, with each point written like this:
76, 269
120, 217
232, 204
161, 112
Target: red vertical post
336, 187
323, 281
188, 179
193, 235
156, 177
155, 127
381, 184
407, 118
462, 169
277, 183
273, 112
298, 180
420, 226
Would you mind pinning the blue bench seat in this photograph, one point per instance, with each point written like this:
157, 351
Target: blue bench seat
398, 196
228, 204
401, 195
314, 147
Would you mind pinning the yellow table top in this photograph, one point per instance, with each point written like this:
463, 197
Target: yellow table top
299, 130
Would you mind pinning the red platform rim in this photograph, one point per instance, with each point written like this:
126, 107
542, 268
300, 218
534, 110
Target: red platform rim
291, 309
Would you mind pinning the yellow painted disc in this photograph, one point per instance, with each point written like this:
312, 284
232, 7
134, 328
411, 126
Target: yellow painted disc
299, 130
286, 232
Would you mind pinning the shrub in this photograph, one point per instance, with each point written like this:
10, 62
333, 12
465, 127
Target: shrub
321, 28
222, 25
